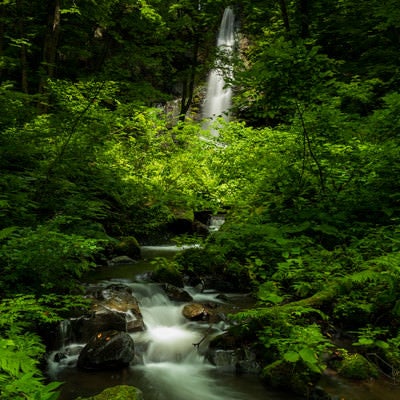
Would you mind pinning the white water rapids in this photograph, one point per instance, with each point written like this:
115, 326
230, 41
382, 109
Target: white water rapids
167, 364
171, 362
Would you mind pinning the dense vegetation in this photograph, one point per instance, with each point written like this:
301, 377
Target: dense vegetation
308, 175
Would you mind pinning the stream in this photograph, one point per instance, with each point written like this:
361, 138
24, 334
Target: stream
167, 366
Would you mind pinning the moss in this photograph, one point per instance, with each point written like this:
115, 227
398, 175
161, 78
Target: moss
296, 378
168, 274
180, 213
356, 366
121, 392
128, 246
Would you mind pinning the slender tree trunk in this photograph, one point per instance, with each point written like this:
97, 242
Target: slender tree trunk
2, 15
50, 42
284, 13
23, 48
304, 19
188, 85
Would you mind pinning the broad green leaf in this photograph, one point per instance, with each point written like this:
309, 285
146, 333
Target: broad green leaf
364, 342
308, 355
291, 356
382, 344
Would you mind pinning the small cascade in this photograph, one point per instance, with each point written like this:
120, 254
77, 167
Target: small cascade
173, 361
172, 353
216, 221
168, 336
218, 98
65, 332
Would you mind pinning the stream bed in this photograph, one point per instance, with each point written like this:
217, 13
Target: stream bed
167, 365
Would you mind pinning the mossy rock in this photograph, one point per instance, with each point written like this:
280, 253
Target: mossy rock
391, 355
168, 275
121, 392
181, 213
297, 378
356, 366
128, 246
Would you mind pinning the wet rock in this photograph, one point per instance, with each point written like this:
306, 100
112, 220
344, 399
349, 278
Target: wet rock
121, 260
128, 246
200, 228
176, 294
230, 354
68, 355
88, 325
113, 308
120, 392
281, 374
225, 360
181, 222
196, 312
319, 393
107, 350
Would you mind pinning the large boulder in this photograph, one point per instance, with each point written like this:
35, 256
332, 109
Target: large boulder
86, 326
284, 375
120, 392
176, 294
356, 366
113, 308
128, 246
107, 350
230, 353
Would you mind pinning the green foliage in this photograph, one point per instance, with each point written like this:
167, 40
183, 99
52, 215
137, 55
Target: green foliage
31, 258
167, 271
22, 350
355, 366
369, 337
281, 73
20, 377
307, 173
303, 344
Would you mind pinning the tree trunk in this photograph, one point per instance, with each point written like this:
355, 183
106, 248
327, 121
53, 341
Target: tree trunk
2, 15
23, 49
284, 13
50, 42
304, 19
188, 84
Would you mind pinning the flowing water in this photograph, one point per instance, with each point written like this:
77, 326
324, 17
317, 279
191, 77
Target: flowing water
219, 95
167, 365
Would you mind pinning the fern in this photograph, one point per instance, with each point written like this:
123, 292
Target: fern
21, 350
367, 275
5, 233
20, 376
252, 314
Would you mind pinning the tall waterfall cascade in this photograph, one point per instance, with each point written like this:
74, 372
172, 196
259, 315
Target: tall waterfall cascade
218, 98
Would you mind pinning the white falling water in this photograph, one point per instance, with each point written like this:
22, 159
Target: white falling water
218, 98
170, 362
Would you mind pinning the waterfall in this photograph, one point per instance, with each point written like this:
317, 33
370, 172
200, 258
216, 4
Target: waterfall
218, 98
